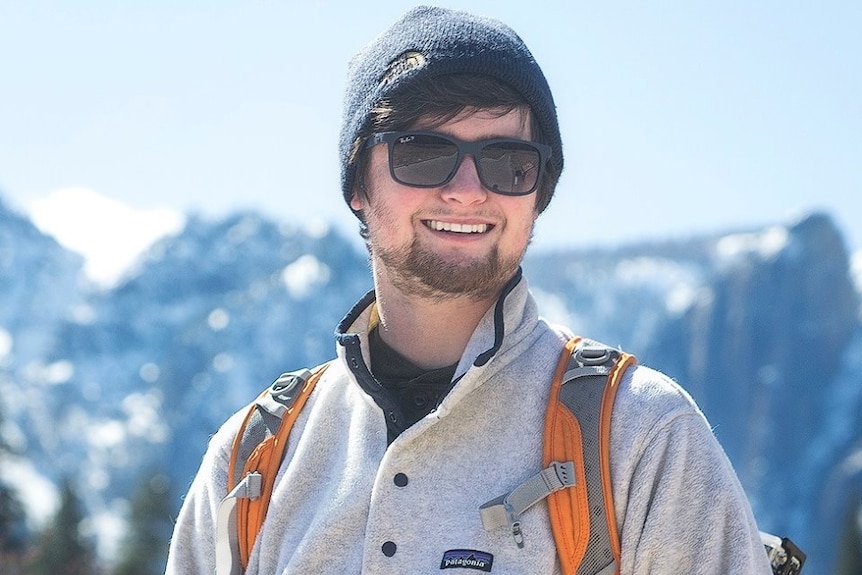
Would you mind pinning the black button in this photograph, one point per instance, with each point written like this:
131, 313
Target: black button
400, 480
389, 548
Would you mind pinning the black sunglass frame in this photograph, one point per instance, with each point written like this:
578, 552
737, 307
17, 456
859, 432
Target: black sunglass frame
474, 149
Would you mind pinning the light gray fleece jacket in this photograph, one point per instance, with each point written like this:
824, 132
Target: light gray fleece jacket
338, 508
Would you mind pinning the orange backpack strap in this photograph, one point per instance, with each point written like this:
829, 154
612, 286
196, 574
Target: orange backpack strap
257, 453
576, 478
577, 429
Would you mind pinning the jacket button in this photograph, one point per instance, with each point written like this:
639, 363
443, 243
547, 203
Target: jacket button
389, 548
401, 480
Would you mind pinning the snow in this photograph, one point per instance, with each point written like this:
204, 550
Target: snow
247, 227
856, 270
303, 275
218, 319
766, 244
5, 344
143, 411
150, 372
105, 434
55, 373
36, 492
679, 283
681, 298
223, 362
82, 314
109, 527
110, 235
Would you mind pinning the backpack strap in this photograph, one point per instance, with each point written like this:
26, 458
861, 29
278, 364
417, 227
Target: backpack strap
256, 455
577, 429
576, 479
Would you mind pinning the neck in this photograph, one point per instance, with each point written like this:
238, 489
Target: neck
431, 333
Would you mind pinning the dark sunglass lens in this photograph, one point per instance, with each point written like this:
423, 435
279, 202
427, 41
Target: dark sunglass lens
510, 167
422, 160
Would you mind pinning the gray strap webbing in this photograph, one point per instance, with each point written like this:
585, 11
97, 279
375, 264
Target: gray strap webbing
507, 509
584, 384
227, 538
269, 409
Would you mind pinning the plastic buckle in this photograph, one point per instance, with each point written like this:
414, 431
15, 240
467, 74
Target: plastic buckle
514, 524
593, 355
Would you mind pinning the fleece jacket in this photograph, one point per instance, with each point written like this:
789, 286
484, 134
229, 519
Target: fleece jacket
348, 501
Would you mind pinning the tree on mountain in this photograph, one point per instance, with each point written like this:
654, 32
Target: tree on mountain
13, 520
145, 548
850, 550
13, 530
62, 548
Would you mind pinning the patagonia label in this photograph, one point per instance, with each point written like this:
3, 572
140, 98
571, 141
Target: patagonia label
467, 559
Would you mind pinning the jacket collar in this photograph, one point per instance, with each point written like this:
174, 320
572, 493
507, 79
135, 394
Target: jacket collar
514, 312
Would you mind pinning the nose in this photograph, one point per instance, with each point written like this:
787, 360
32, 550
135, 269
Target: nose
465, 187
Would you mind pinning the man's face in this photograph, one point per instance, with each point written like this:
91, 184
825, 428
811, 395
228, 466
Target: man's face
459, 239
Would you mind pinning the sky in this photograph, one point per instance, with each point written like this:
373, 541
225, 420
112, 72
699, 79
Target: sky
678, 118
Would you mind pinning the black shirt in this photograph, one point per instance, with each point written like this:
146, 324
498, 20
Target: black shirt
414, 390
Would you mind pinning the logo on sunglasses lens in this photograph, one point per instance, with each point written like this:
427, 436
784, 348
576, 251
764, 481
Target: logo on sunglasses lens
404, 63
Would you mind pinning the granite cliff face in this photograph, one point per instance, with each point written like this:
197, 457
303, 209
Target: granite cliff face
763, 351
762, 327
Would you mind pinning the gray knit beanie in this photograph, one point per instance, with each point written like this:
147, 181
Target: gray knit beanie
431, 42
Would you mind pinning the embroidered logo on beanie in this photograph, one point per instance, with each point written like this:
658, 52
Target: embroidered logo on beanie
406, 62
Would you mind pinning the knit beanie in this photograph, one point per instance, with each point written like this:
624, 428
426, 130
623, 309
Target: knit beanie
430, 42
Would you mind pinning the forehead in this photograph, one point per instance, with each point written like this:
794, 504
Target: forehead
480, 123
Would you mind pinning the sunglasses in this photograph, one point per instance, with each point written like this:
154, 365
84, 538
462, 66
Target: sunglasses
428, 160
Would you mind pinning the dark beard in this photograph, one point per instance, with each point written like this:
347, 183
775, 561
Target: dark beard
419, 272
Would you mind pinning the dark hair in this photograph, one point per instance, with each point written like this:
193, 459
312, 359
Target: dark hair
443, 98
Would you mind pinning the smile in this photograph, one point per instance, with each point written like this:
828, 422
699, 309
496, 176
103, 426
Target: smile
457, 228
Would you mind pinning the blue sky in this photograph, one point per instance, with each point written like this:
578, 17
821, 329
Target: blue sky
678, 117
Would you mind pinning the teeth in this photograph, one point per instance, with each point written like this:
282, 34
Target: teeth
457, 228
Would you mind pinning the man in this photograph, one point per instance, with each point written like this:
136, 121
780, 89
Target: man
435, 404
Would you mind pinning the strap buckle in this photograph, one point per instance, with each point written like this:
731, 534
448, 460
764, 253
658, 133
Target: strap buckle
514, 524
506, 510
227, 539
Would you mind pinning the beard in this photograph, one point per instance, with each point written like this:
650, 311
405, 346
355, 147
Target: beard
417, 271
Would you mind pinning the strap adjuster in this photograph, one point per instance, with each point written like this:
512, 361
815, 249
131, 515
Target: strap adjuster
227, 539
514, 524
506, 510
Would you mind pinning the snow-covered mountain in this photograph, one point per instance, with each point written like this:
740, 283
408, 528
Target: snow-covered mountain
763, 327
